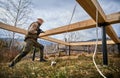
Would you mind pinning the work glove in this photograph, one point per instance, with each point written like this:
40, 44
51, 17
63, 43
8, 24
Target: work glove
39, 31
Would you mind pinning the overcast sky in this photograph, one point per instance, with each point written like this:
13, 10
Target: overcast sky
57, 13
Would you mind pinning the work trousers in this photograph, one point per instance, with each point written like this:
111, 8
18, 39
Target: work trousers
30, 43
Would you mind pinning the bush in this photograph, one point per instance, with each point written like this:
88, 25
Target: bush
7, 55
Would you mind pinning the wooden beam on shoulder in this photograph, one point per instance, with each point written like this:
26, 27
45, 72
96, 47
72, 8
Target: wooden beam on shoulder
24, 32
12, 28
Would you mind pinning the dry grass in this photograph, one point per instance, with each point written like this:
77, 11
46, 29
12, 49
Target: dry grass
7, 55
76, 66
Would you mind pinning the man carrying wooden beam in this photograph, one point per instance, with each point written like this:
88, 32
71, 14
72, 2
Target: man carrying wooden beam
31, 40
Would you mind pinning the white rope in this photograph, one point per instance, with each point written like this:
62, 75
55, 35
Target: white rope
53, 61
70, 22
54, 50
96, 46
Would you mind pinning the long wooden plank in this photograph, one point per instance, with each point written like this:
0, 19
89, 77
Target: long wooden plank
22, 31
55, 40
73, 27
111, 19
91, 43
90, 6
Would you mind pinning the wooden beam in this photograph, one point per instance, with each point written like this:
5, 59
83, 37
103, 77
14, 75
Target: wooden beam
90, 6
12, 28
54, 40
22, 31
111, 19
72, 27
91, 43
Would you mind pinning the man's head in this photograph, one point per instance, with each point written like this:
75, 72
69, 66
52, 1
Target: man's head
40, 21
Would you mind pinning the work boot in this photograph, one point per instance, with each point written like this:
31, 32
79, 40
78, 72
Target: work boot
11, 64
43, 60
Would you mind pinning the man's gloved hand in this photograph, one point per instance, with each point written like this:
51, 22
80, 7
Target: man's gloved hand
39, 31
42, 31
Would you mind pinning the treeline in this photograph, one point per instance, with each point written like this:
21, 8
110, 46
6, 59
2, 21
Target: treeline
111, 48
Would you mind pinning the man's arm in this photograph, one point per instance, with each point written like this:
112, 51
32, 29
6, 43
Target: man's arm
33, 28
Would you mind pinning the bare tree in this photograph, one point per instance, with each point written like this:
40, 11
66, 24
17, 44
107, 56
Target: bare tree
71, 36
15, 12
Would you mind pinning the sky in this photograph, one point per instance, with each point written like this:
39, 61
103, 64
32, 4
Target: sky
57, 13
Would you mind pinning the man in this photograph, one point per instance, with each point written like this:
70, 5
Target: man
31, 40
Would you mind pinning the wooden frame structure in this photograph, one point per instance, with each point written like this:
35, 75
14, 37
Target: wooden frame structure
90, 6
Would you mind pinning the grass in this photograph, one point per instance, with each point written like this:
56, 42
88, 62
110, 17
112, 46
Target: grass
79, 66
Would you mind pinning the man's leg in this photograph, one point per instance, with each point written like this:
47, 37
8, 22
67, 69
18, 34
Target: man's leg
41, 52
22, 54
41, 47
